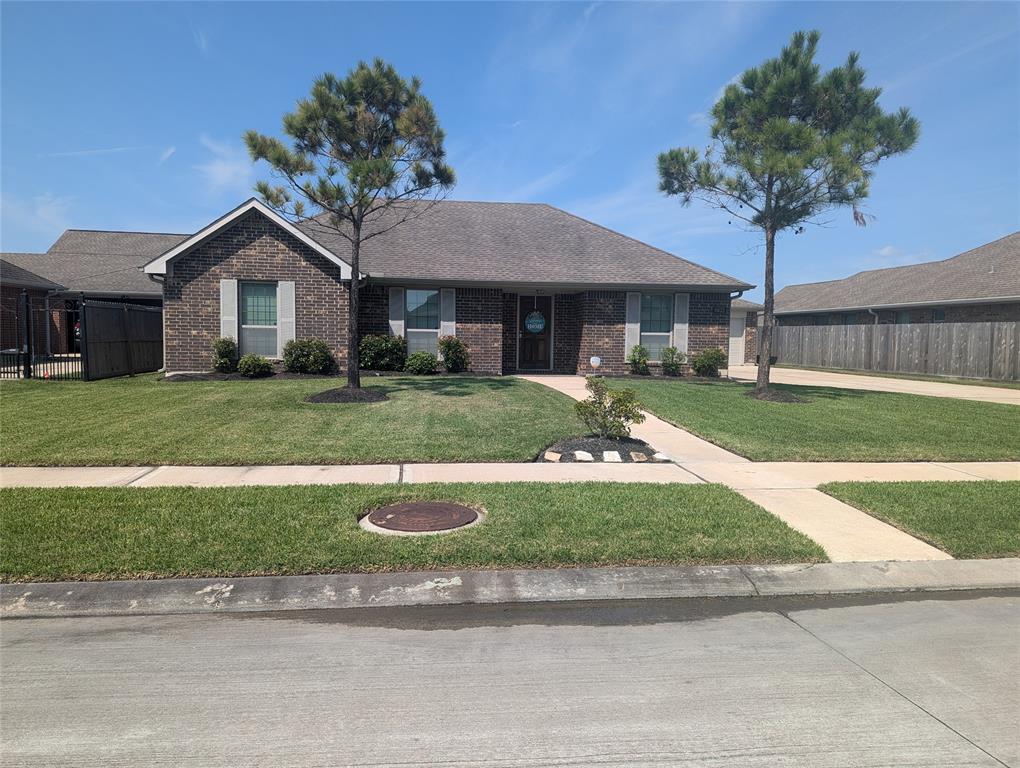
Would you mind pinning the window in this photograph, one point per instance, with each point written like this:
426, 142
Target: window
839, 319
421, 318
820, 320
656, 323
940, 315
258, 319
903, 316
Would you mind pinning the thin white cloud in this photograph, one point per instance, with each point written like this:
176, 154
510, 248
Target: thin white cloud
228, 169
46, 214
91, 152
201, 39
892, 256
921, 71
166, 154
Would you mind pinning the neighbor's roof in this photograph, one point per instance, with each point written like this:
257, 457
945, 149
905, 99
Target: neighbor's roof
19, 277
514, 244
990, 272
95, 261
750, 306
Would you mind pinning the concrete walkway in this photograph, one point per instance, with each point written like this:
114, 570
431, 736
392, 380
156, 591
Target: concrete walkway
808, 378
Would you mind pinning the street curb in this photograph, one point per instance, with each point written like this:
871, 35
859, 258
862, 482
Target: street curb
282, 593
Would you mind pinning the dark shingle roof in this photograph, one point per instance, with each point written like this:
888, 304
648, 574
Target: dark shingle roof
990, 271
516, 244
15, 275
91, 261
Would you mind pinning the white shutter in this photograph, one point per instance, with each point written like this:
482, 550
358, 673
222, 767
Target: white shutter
397, 311
228, 309
633, 333
286, 325
448, 312
681, 309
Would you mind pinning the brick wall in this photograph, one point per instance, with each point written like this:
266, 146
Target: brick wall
374, 310
708, 322
253, 248
480, 327
751, 337
567, 332
56, 322
509, 344
603, 318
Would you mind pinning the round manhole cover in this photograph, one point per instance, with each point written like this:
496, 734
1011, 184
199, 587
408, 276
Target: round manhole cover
422, 516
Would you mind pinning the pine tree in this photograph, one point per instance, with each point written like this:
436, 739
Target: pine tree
366, 156
789, 143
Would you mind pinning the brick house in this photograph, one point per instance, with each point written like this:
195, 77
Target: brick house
743, 346
528, 287
980, 285
14, 282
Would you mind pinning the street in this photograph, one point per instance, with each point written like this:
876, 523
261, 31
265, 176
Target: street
921, 680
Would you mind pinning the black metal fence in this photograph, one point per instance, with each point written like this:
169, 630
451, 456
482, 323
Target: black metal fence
58, 338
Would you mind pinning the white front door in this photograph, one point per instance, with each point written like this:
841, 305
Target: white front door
736, 352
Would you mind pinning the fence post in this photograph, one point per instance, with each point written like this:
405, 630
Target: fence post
83, 345
26, 328
127, 341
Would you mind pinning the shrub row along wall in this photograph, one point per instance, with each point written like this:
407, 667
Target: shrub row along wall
988, 350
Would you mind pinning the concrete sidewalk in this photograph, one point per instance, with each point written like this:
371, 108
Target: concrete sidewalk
380, 590
808, 378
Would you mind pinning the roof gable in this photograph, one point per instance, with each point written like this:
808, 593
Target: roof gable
157, 266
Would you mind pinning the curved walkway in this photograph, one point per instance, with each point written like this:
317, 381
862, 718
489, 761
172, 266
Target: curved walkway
807, 378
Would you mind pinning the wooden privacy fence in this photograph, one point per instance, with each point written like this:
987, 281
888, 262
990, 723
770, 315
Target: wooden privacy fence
121, 339
975, 350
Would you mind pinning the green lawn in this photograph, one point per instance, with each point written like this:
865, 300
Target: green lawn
966, 519
835, 424
148, 421
104, 533
908, 376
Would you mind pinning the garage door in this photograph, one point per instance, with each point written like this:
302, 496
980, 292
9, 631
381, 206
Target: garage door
736, 351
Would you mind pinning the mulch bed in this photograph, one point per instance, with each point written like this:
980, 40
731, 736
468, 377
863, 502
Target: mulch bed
348, 395
595, 446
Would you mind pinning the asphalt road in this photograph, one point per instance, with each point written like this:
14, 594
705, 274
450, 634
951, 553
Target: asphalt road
920, 681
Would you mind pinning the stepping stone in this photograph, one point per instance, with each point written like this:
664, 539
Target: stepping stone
635, 456
611, 456
583, 456
661, 457
552, 456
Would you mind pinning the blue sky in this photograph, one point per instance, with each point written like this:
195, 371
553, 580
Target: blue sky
129, 115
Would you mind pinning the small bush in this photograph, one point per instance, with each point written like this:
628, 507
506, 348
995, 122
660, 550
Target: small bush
383, 353
609, 412
708, 362
253, 366
224, 358
455, 354
307, 356
672, 361
638, 360
422, 364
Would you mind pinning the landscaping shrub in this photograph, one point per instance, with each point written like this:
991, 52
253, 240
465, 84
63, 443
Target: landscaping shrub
422, 364
455, 354
609, 412
672, 361
383, 353
253, 366
708, 362
224, 355
638, 360
307, 356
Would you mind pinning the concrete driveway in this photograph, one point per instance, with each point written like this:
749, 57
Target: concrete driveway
750, 682
880, 384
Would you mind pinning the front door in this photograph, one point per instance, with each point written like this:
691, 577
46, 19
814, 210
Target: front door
534, 333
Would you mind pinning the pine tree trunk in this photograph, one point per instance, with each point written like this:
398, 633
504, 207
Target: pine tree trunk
353, 358
768, 318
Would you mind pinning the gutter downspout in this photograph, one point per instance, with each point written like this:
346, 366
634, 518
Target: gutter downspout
874, 314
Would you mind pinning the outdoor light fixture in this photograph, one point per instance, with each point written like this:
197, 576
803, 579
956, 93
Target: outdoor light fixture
595, 362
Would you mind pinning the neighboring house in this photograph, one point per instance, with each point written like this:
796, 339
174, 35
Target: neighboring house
15, 281
743, 346
100, 265
528, 287
979, 285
